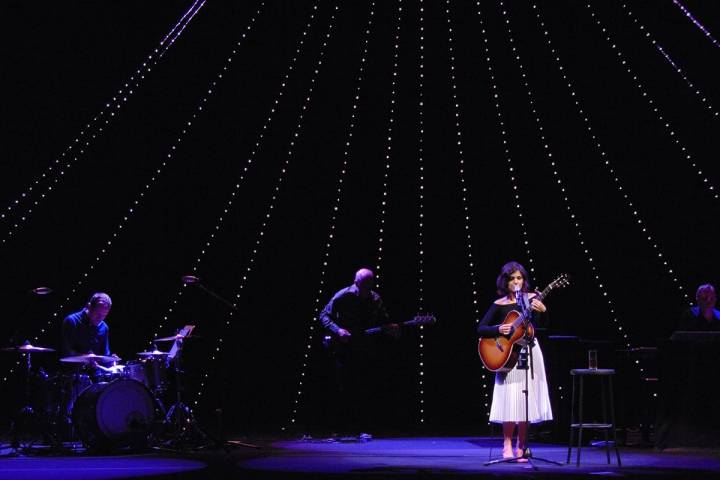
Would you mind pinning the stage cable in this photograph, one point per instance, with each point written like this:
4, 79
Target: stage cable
295, 136
89, 133
334, 212
697, 23
605, 160
555, 168
208, 244
135, 204
463, 184
646, 34
653, 104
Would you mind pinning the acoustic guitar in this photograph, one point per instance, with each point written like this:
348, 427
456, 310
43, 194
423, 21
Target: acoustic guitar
500, 354
332, 341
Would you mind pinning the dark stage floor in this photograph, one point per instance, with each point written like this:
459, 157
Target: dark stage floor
379, 458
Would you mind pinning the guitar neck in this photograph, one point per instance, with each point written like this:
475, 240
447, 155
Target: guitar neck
374, 330
409, 323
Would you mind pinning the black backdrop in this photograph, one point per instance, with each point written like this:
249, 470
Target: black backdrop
62, 62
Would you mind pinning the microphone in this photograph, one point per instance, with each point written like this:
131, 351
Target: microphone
520, 298
190, 279
41, 290
518, 293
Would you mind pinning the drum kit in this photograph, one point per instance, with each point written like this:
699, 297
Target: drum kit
101, 401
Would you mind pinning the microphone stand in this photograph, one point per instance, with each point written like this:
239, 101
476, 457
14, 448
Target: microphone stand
195, 281
222, 300
525, 362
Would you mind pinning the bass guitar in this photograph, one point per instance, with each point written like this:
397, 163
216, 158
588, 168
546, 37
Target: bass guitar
500, 354
330, 341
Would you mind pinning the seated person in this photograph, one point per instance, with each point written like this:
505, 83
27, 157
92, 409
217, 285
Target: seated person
703, 316
85, 331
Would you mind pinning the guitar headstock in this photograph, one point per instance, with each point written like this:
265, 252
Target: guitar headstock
426, 319
563, 280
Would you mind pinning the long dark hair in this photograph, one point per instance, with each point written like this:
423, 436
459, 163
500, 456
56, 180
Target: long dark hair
504, 277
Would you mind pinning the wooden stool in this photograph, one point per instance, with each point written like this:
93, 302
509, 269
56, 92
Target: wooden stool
604, 374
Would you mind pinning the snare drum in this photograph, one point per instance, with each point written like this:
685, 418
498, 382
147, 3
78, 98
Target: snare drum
151, 372
116, 414
108, 374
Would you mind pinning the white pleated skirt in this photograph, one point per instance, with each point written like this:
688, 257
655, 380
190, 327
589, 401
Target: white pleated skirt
508, 403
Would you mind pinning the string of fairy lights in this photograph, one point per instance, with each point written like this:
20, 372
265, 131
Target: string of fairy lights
334, 212
555, 167
90, 132
421, 206
699, 94
189, 15
464, 189
495, 94
503, 129
257, 146
295, 136
606, 162
135, 204
388, 147
697, 23
568, 204
620, 186
57, 170
664, 122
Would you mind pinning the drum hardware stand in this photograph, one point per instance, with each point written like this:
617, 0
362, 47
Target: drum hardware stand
180, 418
25, 417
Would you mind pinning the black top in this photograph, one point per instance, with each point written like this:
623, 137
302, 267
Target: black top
79, 336
692, 320
348, 310
490, 323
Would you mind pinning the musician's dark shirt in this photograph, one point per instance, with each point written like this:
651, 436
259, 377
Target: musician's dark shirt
692, 320
348, 310
79, 336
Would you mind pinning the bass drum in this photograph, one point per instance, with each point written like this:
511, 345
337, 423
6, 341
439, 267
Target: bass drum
115, 415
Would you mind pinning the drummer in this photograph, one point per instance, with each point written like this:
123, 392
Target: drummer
86, 331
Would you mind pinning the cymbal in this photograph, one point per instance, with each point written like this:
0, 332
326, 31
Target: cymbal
90, 357
170, 339
156, 353
27, 348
